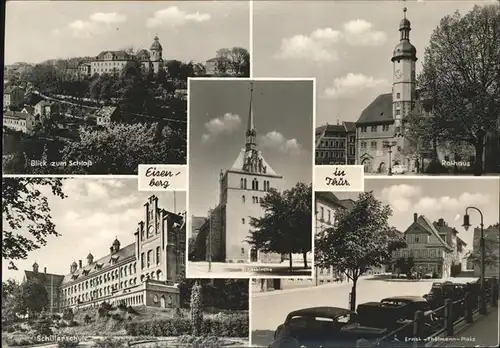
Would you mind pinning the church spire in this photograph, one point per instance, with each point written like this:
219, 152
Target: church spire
251, 133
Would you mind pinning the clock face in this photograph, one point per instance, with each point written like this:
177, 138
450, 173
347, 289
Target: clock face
150, 230
398, 74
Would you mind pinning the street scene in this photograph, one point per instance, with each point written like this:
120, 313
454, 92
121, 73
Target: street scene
250, 174
111, 92
391, 97
402, 246
126, 285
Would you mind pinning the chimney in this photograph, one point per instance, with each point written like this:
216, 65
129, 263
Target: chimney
415, 217
45, 270
80, 264
338, 121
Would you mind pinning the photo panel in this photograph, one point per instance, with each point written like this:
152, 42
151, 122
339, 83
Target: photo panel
103, 264
379, 102
250, 178
111, 92
389, 252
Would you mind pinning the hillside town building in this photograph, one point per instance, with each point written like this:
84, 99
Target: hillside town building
108, 62
141, 273
13, 96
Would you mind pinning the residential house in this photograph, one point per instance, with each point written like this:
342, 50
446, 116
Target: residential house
46, 108
336, 144
327, 207
15, 120
107, 115
13, 96
85, 69
432, 250
450, 235
211, 67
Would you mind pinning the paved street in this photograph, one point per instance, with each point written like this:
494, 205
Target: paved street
270, 309
242, 270
484, 333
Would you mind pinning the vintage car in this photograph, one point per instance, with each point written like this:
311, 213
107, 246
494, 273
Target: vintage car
327, 327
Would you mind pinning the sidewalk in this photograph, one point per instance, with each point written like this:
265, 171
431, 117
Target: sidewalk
483, 332
306, 288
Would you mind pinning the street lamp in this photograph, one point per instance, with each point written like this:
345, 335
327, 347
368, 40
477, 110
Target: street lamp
466, 225
210, 240
389, 145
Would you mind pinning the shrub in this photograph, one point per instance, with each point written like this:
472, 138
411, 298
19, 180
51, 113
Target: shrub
66, 343
106, 306
72, 323
131, 310
68, 314
42, 328
109, 342
11, 329
102, 312
56, 317
235, 325
117, 317
87, 319
122, 306
436, 167
178, 314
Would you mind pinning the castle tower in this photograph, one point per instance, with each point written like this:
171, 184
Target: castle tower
156, 52
35, 267
404, 80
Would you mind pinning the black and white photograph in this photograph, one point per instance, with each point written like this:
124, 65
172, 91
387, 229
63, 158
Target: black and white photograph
250, 178
403, 87
101, 86
95, 263
392, 264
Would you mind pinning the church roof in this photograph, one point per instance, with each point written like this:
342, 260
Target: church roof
242, 157
156, 44
116, 54
379, 111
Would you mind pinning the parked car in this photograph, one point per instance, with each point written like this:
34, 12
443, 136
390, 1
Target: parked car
327, 327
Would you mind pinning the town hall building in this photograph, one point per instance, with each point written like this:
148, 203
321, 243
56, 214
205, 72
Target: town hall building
380, 128
142, 273
242, 188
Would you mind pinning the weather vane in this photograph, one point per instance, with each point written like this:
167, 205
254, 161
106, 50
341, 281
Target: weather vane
404, 8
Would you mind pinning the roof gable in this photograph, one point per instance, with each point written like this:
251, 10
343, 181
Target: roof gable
425, 223
241, 160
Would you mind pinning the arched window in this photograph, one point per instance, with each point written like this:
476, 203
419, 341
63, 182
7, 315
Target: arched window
157, 255
243, 221
242, 183
142, 261
243, 199
245, 183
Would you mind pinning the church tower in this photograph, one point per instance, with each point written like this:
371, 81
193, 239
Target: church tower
404, 80
243, 187
156, 52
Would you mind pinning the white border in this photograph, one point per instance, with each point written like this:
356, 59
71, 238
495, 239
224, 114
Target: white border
250, 312
236, 275
434, 177
250, 49
313, 196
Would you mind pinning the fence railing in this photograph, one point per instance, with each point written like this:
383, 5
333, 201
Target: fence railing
426, 326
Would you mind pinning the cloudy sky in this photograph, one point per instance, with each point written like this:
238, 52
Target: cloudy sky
347, 45
218, 119
188, 30
94, 213
437, 198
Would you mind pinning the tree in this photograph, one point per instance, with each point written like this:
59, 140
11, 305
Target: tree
234, 61
491, 246
461, 74
13, 303
361, 239
174, 68
120, 148
197, 309
35, 296
285, 227
26, 215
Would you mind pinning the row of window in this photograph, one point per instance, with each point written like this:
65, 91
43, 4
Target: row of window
335, 154
418, 253
149, 262
458, 158
255, 184
385, 128
102, 279
98, 293
374, 145
255, 199
326, 217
